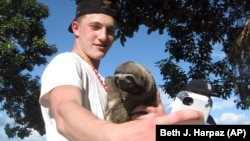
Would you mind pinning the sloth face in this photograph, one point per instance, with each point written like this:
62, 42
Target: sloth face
129, 83
133, 78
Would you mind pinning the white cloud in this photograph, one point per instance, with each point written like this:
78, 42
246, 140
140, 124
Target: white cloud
35, 136
2, 133
5, 119
221, 104
2, 119
232, 118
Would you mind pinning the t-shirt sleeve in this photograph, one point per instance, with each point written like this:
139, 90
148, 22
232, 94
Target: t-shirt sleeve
62, 70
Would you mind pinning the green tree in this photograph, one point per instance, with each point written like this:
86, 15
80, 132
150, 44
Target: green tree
239, 58
22, 47
195, 27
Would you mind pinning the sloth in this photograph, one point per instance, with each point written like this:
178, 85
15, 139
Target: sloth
131, 85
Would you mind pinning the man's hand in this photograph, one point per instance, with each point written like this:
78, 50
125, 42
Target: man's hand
150, 110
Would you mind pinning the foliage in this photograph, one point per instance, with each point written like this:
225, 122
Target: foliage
239, 57
195, 29
22, 47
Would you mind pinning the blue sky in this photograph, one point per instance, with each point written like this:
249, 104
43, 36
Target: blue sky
142, 48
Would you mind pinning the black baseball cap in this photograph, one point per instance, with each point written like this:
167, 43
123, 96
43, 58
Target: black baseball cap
199, 86
108, 7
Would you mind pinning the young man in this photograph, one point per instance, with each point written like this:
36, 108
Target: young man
73, 93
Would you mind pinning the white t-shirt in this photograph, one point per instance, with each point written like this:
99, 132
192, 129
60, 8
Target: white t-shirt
70, 69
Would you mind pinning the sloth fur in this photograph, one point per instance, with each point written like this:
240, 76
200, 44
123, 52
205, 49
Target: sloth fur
131, 85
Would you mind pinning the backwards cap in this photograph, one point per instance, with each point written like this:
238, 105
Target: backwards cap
199, 86
108, 7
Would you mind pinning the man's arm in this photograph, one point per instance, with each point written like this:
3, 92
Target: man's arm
78, 124
72, 120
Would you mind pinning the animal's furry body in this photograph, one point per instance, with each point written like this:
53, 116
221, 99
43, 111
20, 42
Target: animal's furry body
131, 85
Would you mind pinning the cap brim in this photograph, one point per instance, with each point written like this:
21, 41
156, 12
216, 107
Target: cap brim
70, 27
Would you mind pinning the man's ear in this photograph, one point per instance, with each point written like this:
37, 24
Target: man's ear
75, 28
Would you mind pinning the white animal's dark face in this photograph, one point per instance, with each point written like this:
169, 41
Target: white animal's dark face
133, 78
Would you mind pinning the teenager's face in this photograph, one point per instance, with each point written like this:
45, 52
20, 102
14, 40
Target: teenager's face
95, 34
